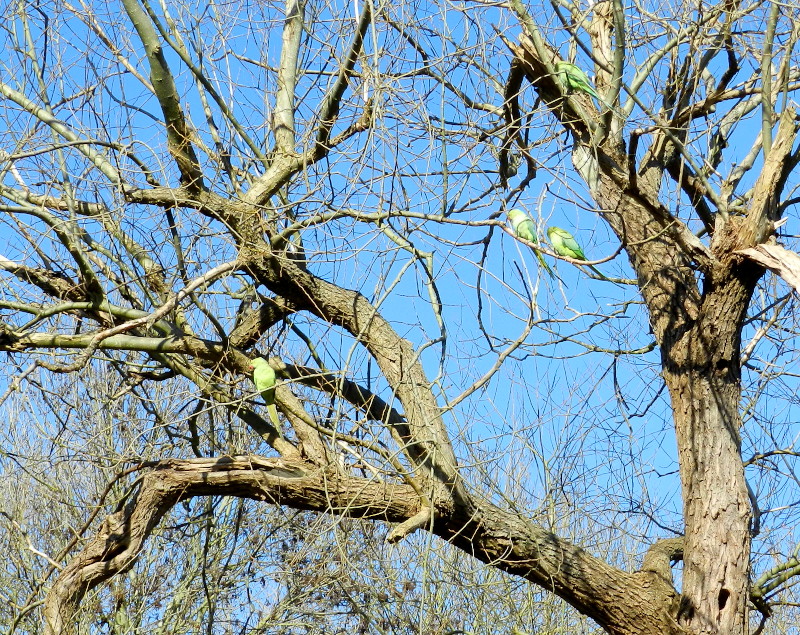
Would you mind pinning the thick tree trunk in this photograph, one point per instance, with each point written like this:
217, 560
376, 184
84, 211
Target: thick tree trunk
716, 505
702, 371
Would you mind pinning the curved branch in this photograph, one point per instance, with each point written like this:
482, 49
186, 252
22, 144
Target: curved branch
505, 540
423, 435
659, 556
122, 535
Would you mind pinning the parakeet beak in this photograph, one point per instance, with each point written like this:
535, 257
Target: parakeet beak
250, 367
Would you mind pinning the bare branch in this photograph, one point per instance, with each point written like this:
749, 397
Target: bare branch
178, 133
283, 117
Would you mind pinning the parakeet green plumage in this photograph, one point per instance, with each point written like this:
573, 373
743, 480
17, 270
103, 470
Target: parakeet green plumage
264, 378
564, 244
573, 78
523, 227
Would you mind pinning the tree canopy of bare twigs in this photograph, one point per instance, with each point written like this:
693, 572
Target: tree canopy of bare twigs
188, 186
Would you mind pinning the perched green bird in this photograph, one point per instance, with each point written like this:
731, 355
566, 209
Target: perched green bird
524, 228
564, 244
264, 378
573, 78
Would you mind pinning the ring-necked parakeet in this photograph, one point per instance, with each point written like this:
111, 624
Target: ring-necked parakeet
564, 244
573, 78
264, 378
523, 227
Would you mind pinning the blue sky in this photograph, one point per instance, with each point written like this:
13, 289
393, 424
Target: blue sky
592, 428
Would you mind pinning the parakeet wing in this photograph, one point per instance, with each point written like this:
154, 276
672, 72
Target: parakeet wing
564, 243
526, 230
576, 79
572, 244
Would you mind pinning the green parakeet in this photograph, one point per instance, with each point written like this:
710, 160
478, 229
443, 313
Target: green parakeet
573, 78
564, 244
523, 227
264, 378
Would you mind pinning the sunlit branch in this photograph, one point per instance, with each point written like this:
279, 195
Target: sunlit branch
283, 116
329, 110
85, 14
67, 232
767, 111
97, 158
178, 132
222, 104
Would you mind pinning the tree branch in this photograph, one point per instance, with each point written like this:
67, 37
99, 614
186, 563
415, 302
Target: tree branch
283, 117
178, 133
505, 540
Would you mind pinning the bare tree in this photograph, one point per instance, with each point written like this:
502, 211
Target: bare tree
188, 187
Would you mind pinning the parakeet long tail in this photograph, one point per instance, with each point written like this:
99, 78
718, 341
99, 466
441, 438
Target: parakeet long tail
273, 415
544, 264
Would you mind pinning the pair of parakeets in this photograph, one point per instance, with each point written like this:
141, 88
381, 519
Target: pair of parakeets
564, 243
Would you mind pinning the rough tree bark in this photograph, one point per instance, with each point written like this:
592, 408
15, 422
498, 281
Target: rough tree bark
698, 331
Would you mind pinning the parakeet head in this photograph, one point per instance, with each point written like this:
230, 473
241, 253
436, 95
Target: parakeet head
517, 217
257, 362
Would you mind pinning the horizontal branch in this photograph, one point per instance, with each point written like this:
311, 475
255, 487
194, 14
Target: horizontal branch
122, 535
333, 383
11, 341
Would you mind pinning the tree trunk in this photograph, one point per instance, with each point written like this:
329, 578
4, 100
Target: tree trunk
702, 371
716, 506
